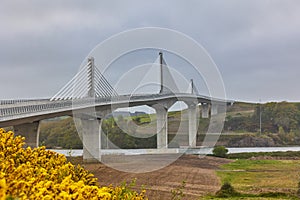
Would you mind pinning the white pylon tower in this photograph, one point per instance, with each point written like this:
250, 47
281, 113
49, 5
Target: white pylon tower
89, 82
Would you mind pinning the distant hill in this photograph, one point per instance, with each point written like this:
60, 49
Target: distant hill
125, 113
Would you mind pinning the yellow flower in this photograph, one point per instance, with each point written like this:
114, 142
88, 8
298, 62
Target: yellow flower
41, 174
3, 188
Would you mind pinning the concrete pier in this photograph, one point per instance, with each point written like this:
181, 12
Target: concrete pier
214, 109
193, 124
91, 138
205, 110
162, 126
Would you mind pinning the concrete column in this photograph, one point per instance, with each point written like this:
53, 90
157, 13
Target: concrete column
205, 110
30, 131
214, 109
162, 126
91, 138
38, 135
193, 126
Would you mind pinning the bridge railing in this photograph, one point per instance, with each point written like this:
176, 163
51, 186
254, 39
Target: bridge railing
14, 110
20, 101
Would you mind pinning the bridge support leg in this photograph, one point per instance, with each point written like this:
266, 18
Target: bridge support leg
30, 131
193, 126
214, 109
162, 126
205, 110
91, 138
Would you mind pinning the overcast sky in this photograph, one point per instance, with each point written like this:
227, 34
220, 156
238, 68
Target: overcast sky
255, 44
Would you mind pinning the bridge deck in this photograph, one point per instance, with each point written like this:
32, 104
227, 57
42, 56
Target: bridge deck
19, 109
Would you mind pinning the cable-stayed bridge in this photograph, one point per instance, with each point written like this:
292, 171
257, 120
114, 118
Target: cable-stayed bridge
89, 91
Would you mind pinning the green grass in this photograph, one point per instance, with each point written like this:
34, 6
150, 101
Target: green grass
287, 154
262, 196
144, 118
262, 175
253, 198
262, 179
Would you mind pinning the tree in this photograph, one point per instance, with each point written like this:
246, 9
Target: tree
278, 117
227, 191
286, 116
220, 151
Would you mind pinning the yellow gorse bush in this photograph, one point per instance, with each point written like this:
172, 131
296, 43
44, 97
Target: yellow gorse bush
42, 174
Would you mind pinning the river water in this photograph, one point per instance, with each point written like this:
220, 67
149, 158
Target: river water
79, 152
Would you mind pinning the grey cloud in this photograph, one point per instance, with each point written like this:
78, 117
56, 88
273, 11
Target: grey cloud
254, 43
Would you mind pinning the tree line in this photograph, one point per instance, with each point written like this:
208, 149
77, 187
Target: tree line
275, 117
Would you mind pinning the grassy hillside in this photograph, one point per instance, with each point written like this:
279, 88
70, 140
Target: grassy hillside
60, 132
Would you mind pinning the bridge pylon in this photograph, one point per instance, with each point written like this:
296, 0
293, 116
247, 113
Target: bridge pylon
89, 82
167, 81
91, 77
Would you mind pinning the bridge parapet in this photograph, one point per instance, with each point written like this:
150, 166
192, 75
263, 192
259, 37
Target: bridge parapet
10, 111
9, 102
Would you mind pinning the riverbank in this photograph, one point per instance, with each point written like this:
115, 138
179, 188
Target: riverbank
199, 176
262, 173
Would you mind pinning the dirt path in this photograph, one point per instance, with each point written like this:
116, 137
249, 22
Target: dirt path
199, 175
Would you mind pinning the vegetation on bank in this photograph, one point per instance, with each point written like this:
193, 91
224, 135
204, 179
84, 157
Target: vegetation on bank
275, 155
220, 151
60, 132
228, 191
282, 118
41, 174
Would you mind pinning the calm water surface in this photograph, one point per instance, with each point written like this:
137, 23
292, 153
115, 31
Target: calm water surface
79, 152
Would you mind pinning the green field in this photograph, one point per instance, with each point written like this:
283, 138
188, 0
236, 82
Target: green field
257, 178
253, 198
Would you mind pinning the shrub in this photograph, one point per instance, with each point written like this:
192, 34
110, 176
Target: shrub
41, 174
220, 151
227, 191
